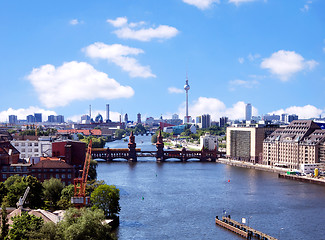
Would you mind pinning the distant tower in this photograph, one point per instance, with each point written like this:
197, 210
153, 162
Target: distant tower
186, 88
107, 112
126, 118
90, 111
248, 115
139, 118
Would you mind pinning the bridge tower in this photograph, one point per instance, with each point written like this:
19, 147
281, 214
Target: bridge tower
132, 152
160, 147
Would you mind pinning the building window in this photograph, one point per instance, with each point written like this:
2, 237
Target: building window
36, 144
30, 144
36, 150
4, 176
57, 175
30, 150
69, 176
63, 176
23, 156
23, 144
23, 149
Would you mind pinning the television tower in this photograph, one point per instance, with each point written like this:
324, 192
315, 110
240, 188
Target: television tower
186, 88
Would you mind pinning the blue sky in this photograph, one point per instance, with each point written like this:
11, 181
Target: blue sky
58, 57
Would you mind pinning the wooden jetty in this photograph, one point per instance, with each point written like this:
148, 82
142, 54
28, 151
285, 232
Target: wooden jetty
241, 229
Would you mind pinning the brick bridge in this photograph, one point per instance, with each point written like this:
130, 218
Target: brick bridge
132, 153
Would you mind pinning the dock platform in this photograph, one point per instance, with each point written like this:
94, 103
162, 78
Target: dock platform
241, 229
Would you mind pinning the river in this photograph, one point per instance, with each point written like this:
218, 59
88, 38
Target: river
174, 200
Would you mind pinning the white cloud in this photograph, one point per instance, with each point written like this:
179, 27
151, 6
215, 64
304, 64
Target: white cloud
306, 6
22, 113
127, 31
237, 2
241, 60
145, 35
75, 22
324, 49
215, 108
252, 57
118, 22
286, 63
242, 84
201, 4
74, 81
120, 55
175, 90
305, 112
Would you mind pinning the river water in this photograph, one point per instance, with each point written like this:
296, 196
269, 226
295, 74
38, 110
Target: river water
175, 200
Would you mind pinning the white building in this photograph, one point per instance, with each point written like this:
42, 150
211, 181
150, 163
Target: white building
28, 148
208, 141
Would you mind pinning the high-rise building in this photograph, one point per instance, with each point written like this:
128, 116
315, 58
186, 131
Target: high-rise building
186, 88
60, 119
51, 118
245, 143
223, 122
206, 121
126, 118
139, 118
38, 117
30, 119
248, 112
13, 119
107, 112
292, 118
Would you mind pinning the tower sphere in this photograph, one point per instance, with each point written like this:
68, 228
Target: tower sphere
186, 87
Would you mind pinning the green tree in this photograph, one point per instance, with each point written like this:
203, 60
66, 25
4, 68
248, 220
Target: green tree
140, 129
52, 192
49, 231
154, 138
106, 197
79, 224
119, 133
23, 225
92, 173
66, 195
17, 185
3, 191
4, 220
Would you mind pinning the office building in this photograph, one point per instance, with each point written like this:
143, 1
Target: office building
13, 119
38, 117
30, 119
223, 122
28, 148
245, 142
248, 112
126, 118
206, 121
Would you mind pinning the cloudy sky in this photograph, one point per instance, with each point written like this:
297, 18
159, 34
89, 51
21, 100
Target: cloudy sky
58, 57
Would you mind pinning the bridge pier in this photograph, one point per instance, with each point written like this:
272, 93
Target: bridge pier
132, 153
160, 148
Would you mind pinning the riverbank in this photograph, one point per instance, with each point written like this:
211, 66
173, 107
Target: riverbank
281, 171
252, 165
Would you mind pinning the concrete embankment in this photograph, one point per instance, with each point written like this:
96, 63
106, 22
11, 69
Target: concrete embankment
303, 179
251, 165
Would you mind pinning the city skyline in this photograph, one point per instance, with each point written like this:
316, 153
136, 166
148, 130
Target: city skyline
134, 56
